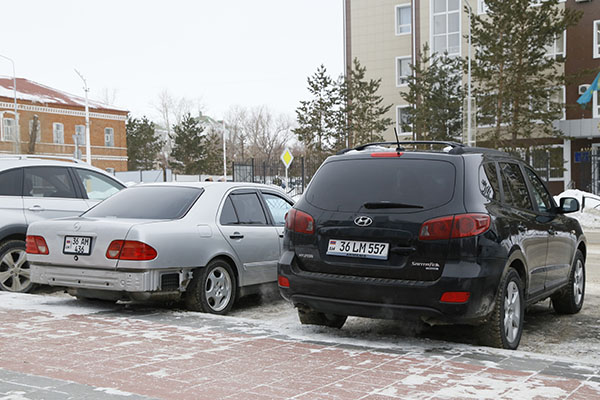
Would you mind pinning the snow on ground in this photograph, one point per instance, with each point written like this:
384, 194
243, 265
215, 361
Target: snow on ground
589, 207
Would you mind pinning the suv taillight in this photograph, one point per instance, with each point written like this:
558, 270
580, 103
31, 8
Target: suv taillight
300, 222
36, 245
457, 226
130, 250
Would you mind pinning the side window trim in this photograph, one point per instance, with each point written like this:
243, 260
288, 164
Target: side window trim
228, 198
77, 185
266, 206
531, 188
529, 194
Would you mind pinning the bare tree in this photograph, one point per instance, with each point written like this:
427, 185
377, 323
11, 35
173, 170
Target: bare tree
237, 142
108, 96
268, 134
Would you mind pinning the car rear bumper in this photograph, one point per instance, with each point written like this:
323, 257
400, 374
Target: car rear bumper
396, 299
108, 280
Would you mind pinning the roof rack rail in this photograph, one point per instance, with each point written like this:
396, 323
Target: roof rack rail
40, 156
451, 144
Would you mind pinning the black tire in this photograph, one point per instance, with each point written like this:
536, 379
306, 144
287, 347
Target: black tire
494, 333
213, 288
309, 317
15, 274
570, 299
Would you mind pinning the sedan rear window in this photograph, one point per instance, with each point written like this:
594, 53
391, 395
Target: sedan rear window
397, 185
147, 202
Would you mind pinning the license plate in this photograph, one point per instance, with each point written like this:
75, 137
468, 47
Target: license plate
77, 245
351, 248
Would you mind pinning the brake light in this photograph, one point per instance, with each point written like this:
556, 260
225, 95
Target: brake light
387, 154
36, 245
130, 250
283, 281
457, 226
300, 222
455, 297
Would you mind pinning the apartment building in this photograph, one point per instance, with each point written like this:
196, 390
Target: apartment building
385, 35
52, 122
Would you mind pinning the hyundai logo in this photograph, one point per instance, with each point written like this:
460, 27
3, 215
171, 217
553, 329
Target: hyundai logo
363, 221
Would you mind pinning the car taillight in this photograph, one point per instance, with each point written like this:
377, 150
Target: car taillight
130, 250
36, 245
455, 297
457, 226
283, 281
300, 222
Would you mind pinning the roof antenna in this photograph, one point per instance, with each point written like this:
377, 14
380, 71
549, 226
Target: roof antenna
398, 149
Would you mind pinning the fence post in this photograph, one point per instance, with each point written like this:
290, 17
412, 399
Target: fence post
141, 177
265, 172
252, 169
303, 175
233, 171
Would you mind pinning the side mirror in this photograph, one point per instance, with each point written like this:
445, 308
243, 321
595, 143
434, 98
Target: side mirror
568, 205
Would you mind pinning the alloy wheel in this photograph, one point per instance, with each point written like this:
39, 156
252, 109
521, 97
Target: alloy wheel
578, 282
14, 271
512, 312
218, 289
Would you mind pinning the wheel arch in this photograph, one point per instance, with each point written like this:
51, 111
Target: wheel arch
229, 260
516, 260
13, 232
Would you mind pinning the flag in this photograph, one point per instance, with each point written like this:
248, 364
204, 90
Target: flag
587, 96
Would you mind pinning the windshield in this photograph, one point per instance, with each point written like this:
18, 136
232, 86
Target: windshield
147, 202
397, 185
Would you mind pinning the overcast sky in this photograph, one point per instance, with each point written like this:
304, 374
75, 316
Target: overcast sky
223, 52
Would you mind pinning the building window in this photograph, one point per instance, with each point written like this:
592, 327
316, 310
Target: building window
548, 163
403, 70
597, 39
446, 26
483, 8
403, 19
109, 137
58, 133
8, 129
80, 133
557, 48
402, 121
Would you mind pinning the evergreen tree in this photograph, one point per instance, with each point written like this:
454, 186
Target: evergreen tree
435, 96
362, 107
143, 145
515, 78
189, 147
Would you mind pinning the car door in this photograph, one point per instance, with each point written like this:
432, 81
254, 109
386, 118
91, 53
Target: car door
527, 232
561, 242
11, 201
278, 208
96, 186
50, 192
244, 224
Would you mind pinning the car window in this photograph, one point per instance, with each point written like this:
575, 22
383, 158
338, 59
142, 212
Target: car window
278, 207
228, 215
540, 194
11, 182
97, 186
513, 184
488, 181
48, 182
248, 209
147, 202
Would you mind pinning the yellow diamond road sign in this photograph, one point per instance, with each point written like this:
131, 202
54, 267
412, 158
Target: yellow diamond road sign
287, 158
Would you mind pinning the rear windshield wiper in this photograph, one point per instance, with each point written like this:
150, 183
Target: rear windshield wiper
388, 204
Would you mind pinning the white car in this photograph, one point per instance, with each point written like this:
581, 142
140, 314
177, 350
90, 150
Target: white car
210, 242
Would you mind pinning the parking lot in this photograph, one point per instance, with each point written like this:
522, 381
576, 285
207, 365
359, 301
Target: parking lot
54, 346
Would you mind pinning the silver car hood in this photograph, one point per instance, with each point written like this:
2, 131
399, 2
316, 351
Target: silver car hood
102, 231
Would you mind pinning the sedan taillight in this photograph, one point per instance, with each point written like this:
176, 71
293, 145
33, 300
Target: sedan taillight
36, 245
457, 226
130, 250
300, 222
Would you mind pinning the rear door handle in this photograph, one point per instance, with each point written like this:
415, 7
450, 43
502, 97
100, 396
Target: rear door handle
36, 208
236, 235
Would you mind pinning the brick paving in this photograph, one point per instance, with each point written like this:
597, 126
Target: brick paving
120, 354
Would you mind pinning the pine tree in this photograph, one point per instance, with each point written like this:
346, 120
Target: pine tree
435, 96
189, 147
514, 77
143, 145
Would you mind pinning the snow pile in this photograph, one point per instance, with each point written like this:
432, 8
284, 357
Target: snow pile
589, 207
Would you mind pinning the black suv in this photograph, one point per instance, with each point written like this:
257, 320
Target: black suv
460, 235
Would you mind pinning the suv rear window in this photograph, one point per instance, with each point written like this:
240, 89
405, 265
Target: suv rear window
147, 202
347, 185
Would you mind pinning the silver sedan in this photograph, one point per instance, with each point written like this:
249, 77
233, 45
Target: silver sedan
206, 242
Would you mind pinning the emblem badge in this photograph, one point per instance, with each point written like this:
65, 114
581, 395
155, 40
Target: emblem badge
363, 221
77, 226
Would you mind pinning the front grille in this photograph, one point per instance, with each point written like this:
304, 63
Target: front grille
169, 282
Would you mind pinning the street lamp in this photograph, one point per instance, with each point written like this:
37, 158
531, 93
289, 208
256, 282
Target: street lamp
18, 133
469, 116
88, 147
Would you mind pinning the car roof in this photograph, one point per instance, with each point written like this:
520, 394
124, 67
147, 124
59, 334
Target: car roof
218, 186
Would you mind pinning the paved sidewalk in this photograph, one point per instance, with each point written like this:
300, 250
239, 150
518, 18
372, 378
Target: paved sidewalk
131, 354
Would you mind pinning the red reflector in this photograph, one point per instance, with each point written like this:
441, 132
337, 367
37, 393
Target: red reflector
130, 250
457, 226
386, 154
299, 222
36, 245
455, 297
283, 281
